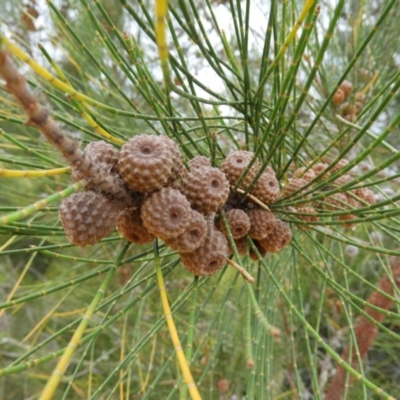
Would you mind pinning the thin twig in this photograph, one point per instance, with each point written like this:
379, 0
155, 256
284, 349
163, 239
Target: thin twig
241, 270
69, 148
254, 199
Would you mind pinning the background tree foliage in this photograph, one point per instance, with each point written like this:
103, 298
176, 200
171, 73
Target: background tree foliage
239, 79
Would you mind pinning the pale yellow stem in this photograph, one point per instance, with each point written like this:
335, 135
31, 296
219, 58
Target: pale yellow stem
15, 173
241, 270
183, 364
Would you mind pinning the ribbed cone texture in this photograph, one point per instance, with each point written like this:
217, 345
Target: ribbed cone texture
342, 180
147, 163
347, 87
366, 195
87, 217
351, 201
199, 161
176, 157
104, 155
306, 210
347, 218
270, 171
238, 221
206, 188
294, 185
339, 165
208, 258
319, 168
166, 213
278, 239
241, 248
102, 152
336, 202
193, 237
235, 164
267, 188
130, 225
262, 223
253, 255
308, 175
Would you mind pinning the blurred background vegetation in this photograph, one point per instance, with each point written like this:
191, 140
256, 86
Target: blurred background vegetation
231, 87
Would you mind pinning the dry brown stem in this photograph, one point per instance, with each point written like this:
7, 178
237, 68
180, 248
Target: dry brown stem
69, 148
365, 331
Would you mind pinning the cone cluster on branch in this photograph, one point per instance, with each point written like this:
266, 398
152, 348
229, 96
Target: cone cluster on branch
268, 233
349, 106
303, 180
175, 204
145, 192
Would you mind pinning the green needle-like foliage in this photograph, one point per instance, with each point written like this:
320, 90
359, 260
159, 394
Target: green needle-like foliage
322, 318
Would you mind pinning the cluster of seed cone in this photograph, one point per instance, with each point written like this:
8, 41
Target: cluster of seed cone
163, 199
345, 200
349, 106
268, 233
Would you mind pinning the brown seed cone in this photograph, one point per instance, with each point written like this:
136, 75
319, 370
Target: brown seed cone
235, 164
208, 258
206, 188
193, 237
352, 202
350, 117
306, 210
365, 194
360, 97
262, 223
240, 246
267, 189
130, 225
294, 185
199, 161
260, 249
308, 175
238, 221
102, 152
105, 170
347, 88
347, 109
278, 238
176, 156
347, 218
270, 171
338, 97
147, 163
359, 106
87, 217
166, 213
223, 386
340, 164
335, 202
106, 181
319, 168
342, 180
